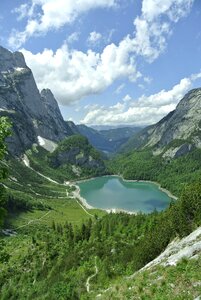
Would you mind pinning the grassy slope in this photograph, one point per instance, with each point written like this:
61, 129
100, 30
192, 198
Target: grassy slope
179, 282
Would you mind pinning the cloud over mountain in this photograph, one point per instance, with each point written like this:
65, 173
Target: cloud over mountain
73, 74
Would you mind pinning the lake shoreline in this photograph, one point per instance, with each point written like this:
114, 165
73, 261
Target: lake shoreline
156, 183
77, 194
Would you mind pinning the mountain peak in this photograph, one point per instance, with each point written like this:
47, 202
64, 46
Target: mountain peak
181, 125
190, 100
11, 60
33, 114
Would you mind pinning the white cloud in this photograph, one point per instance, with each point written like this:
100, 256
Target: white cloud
141, 86
94, 37
196, 76
72, 74
127, 98
154, 25
143, 111
24, 11
175, 9
110, 35
54, 15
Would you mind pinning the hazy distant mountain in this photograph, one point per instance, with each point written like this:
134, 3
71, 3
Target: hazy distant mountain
177, 133
104, 140
95, 138
107, 127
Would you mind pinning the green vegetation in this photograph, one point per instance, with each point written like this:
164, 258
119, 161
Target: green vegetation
74, 158
172, 174
4, 132
29, 196
76, 150
179, 282
55, 245
58, 257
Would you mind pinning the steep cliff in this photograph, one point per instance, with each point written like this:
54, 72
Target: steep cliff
35, 116
176, 134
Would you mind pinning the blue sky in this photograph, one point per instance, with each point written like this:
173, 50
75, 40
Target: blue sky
108, 61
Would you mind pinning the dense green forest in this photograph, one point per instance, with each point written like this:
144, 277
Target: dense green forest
172, 174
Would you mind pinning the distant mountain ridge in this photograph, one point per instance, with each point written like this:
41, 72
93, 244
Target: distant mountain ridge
35, 116
107, 140
177, 133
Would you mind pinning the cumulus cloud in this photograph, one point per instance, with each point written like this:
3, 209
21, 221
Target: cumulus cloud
73, 74
154, 25
143, 111
45, 15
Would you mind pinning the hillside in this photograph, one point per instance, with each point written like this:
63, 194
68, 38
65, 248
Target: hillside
76, 153
95, 138
168, 152
176, 134
99, 257
172, 275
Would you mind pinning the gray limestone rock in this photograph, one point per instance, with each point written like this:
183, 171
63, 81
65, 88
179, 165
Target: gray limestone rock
31, 113
182, 124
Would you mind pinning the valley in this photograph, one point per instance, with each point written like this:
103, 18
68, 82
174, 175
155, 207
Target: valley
54, 246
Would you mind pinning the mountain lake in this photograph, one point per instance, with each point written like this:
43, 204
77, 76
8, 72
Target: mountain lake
112, 193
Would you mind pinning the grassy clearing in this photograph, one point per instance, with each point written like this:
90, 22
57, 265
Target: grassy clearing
62, 211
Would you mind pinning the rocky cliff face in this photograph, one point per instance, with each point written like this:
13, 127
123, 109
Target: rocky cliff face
35, 116
176, 134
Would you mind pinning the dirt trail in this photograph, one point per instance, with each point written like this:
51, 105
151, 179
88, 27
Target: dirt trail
92, 276
34, 220
78, 202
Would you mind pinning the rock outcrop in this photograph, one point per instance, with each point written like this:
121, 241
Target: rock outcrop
34, 115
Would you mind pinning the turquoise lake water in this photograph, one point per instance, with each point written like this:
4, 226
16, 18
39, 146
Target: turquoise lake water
111, 192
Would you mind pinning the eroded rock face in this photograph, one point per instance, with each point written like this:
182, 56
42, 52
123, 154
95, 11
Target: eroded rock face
32, 114
182, 124
174, 152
